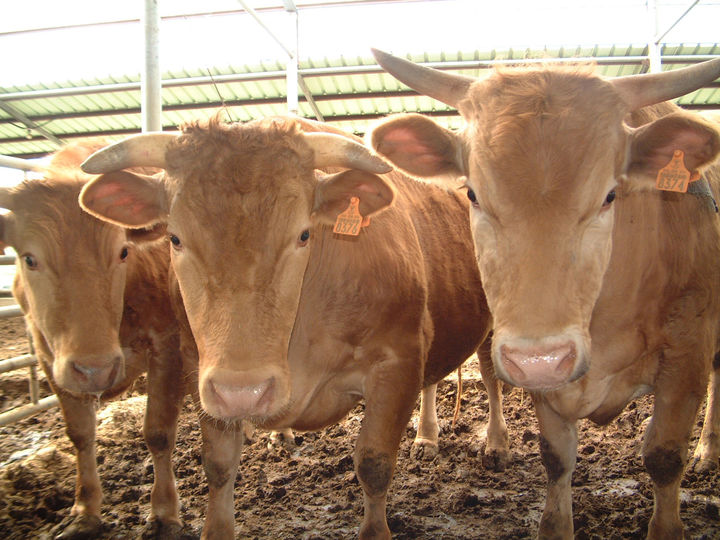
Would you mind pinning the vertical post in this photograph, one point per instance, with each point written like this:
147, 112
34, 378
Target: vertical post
150, 86
33, 383
653, 43
291, 75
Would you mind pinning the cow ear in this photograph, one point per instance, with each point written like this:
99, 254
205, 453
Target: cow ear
333, 194
127, 199
418, 146
653, 145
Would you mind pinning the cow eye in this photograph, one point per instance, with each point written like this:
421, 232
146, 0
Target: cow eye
30, 261
471, 195
609, 198
304, 237
123, 253
175, 241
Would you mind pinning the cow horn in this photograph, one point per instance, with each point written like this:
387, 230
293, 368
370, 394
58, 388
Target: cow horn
144, 150
650, 88
446, 87
337, 151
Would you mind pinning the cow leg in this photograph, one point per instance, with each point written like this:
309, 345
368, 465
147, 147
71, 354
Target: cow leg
707, 451
84, 520
426, 440
284, 438
165, 396
665, 449
391, 393
222, 446
497, 447
558, 450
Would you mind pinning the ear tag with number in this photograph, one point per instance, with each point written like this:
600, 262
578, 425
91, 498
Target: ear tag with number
674, 176
349, 221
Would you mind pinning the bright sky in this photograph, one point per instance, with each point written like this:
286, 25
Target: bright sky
116, 49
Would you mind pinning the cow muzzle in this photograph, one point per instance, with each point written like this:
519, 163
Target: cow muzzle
89, 374
538, 365
230, 395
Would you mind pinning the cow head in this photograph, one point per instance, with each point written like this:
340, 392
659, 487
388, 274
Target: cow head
545, 152
70, 278
243, 205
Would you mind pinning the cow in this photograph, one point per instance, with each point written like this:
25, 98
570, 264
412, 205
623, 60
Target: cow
296, 323
96, 304
602, 287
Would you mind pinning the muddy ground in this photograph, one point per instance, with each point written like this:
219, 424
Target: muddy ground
310, 491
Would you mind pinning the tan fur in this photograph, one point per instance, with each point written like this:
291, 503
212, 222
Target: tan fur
292, 334
629, 288
83, 306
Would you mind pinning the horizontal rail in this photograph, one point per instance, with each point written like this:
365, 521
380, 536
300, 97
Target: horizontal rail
7, 312
18, 362
18, 163
25, 411
7, 259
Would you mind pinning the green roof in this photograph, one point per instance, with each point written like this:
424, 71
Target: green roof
349, 93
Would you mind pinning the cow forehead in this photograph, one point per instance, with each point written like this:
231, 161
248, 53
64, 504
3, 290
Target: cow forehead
544, 134
240, 158
47, 216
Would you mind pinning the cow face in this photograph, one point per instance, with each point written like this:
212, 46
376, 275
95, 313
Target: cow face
70, 279
242, 205
545, 153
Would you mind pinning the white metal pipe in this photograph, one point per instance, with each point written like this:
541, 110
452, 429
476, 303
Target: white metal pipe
7, 259
250, 11
654, 47
34, 385
19, 362
150, 83
17, 163
291, 68
6, 312
25, 411
659, 38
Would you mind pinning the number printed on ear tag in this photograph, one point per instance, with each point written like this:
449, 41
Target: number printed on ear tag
349, 221
674, 176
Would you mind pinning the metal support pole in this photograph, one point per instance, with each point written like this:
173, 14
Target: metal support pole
654, 48
150, 83
292, 67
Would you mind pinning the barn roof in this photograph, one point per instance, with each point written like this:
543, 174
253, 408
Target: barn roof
346, 91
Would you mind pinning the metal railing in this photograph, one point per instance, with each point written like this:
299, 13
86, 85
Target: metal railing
37, 404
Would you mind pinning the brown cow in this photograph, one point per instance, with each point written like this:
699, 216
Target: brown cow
97, 306
601, 286
295, 324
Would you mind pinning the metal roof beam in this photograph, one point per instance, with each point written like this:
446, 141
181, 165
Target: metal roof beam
659, 37
12, 111
340, 70
250, 11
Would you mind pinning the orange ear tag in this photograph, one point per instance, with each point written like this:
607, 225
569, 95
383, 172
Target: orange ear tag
674, 176
350, 221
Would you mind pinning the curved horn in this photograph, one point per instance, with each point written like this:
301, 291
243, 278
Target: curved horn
446, 87
337, 151
144, 150
647, 89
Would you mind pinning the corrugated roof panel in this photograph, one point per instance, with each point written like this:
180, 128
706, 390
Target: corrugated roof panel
348, 90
